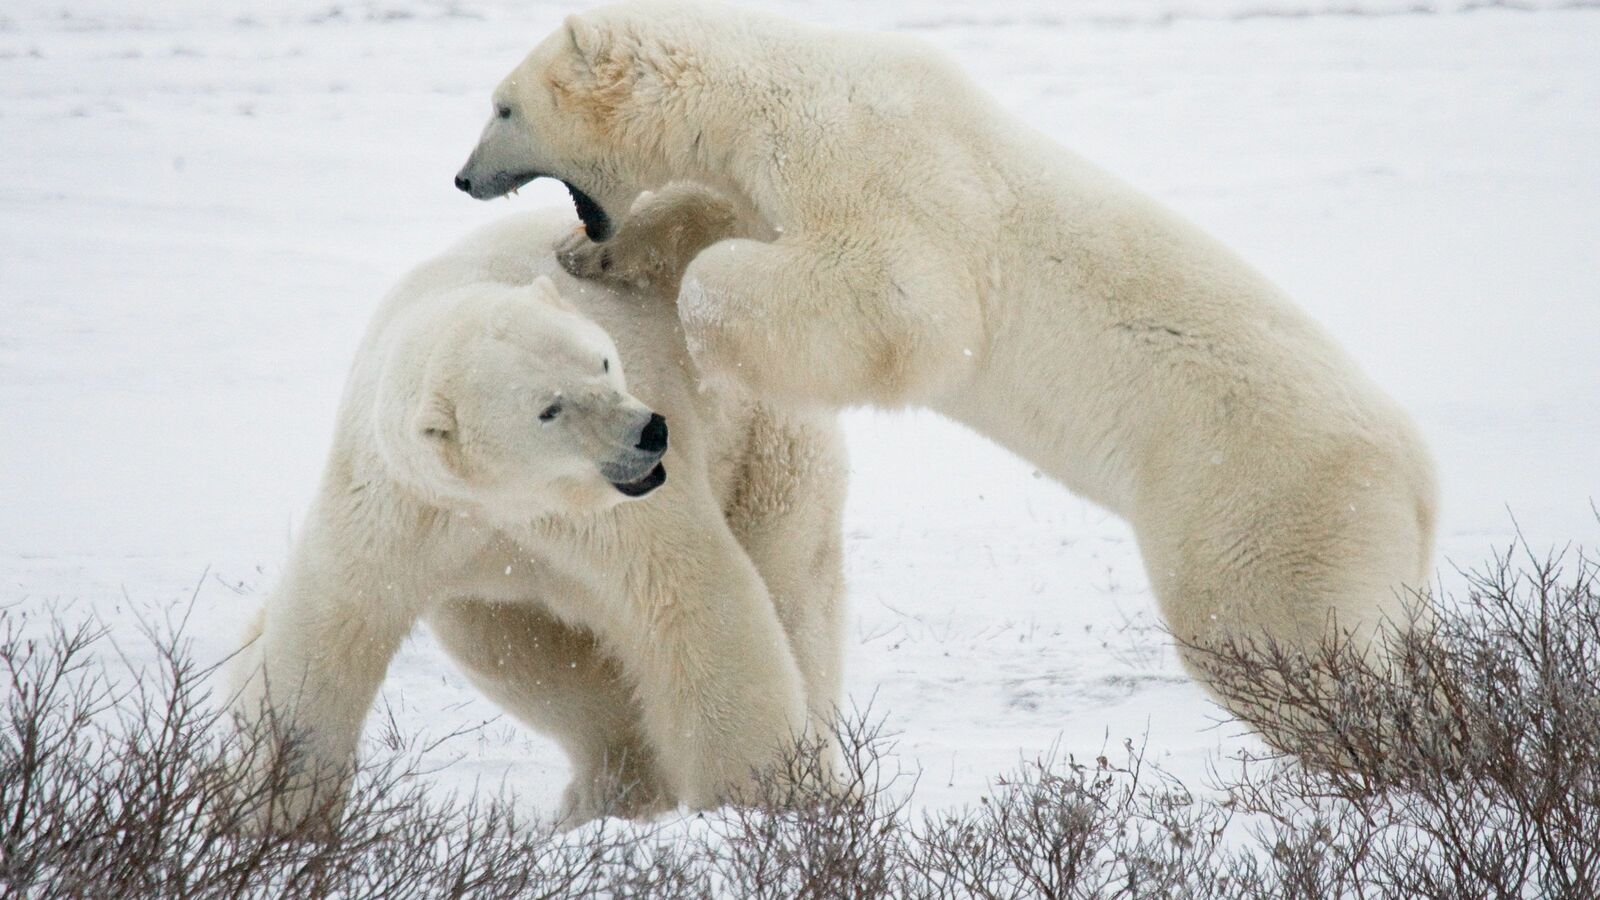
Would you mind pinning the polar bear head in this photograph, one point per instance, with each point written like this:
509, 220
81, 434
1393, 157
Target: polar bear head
513, 405
608, 104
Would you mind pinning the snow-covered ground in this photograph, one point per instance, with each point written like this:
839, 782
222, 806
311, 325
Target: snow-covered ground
202, 202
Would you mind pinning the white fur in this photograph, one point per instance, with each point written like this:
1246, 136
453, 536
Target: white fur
908, 242
641, 634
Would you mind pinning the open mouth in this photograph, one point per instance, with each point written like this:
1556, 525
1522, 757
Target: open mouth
596, 224
653, 479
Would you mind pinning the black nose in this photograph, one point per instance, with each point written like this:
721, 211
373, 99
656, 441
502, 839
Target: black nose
463, 184
653, 436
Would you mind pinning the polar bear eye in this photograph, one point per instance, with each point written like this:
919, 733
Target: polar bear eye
503, 112
605, 365
550, 412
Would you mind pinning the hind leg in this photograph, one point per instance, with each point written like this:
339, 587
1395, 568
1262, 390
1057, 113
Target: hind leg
314, 658
787, 514
1294, 571
556, 679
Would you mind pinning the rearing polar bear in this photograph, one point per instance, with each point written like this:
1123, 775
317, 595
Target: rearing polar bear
896, 238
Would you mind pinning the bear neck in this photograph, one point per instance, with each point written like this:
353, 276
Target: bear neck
709, 125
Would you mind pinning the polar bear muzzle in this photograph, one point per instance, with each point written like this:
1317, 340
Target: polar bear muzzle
497, 185
653, 479
639, 470
596, 224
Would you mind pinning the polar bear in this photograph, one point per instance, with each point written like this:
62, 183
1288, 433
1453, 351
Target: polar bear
669, 611
896, 238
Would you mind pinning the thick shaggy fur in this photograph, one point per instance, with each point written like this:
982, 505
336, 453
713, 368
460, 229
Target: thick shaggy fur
902, 240
671, 643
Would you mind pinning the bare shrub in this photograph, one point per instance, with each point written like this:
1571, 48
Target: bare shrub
814, 832
1466, 764
1463, 763
1064, 829
129, 792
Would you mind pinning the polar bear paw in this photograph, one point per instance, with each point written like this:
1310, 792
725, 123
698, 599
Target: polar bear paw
621, 261
628, 791
663, 232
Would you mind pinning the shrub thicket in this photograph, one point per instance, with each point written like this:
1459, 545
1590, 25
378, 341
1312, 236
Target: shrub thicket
1465, 765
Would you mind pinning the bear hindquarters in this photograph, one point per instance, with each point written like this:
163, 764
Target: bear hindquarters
559, 681
1331, 565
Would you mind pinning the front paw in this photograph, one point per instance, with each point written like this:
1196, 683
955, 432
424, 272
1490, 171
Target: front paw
583, 258
619, 261
625, 794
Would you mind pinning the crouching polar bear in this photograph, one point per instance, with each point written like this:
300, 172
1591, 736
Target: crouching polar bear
485, 450
895, 238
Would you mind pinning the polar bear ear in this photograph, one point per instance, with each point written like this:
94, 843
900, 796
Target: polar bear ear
436, 418
545, 290
589, 43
